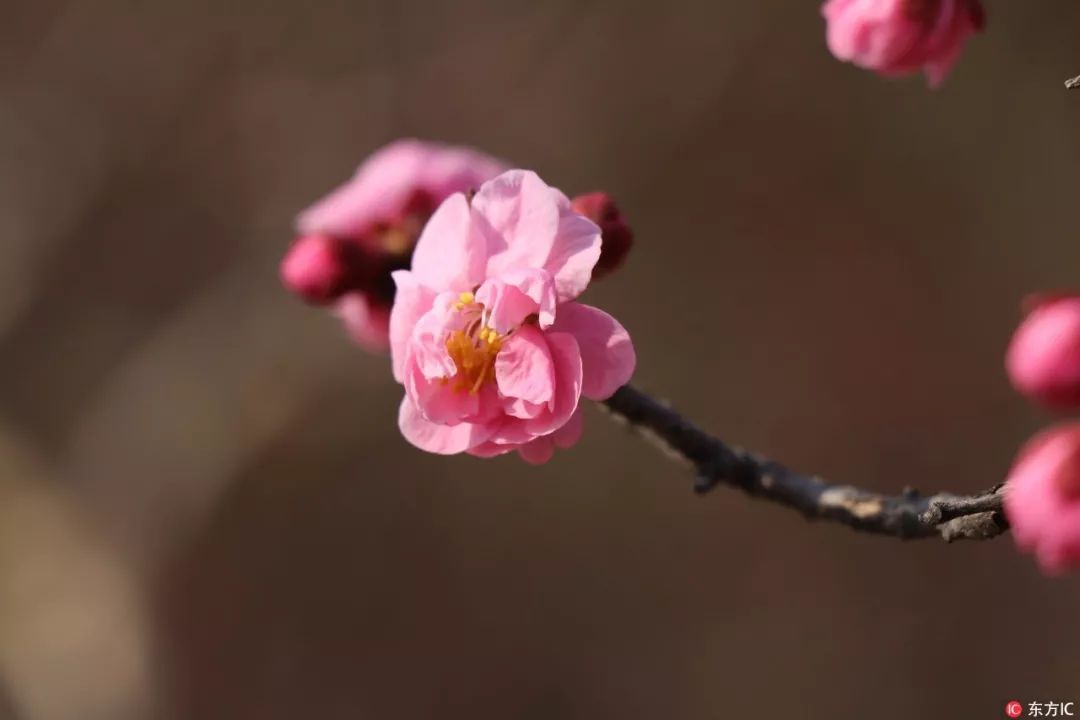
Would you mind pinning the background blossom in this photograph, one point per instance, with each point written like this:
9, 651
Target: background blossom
355, 237
898, 37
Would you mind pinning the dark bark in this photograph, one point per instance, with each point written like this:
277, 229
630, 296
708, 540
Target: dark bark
908, 515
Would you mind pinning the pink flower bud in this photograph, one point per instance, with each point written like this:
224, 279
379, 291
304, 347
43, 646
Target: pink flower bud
617, 236
1043, 359
898, 37
1042, 498
314, 269
1036, 300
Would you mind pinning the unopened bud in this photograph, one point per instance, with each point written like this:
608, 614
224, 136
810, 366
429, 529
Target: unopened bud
315, 269
616, 233
1043, 359
1042, 497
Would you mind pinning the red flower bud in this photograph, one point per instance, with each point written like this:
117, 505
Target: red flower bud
320, 269
315, 269
616, 233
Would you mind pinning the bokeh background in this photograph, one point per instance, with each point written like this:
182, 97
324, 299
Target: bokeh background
206, 510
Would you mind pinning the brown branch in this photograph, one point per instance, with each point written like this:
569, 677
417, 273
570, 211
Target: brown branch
1072, 83
908, 515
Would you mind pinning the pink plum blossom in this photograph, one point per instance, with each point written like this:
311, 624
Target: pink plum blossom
1042, 498
899, 37
1043, 359
485, 333
354, 238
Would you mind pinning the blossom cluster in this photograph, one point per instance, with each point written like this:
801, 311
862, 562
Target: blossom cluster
1042, 495
470, 274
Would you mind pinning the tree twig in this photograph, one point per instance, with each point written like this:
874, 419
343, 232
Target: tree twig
1072, 83
909, 515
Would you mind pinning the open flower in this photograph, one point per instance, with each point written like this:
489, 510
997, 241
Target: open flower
485, 335
899, 37
1042, 498
353, 239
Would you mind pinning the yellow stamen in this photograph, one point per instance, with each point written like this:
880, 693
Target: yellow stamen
465, 298
474, 355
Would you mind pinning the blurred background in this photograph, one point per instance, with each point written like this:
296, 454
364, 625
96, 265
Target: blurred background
206, 510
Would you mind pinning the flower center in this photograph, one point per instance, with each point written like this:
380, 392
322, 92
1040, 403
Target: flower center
473, 348
386, 245
398, 233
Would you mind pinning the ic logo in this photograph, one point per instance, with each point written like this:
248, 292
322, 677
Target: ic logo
1039, 709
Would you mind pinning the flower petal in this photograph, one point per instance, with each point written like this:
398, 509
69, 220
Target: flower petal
435, 438
452, 169
528, 224
518, 408
411, 301
427, 343
607, 353
489, 450
524, 367
506, 305
518, 215
574, 253
450, 253
386, 180
541, 449
515, 295
437, 400
378, 189
567, 362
